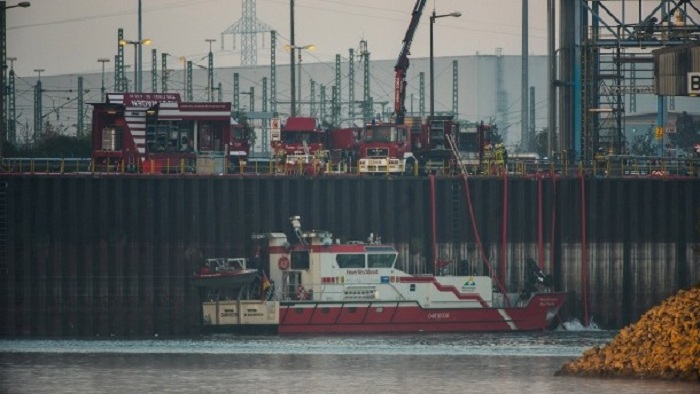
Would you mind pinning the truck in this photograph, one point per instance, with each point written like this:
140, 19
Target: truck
157, 133
386, 147
436, 145
433, 144
301, 146
445, 147
344, 145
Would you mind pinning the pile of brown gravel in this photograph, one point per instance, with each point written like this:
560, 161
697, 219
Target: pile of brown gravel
663, 344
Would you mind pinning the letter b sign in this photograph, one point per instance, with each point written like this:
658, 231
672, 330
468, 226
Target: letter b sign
694, 83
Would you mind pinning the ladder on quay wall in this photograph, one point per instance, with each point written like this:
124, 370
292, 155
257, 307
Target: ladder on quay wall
455, 154
456, 219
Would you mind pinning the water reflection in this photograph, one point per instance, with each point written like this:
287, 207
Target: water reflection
497, 363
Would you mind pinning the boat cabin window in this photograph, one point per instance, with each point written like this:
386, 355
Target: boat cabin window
384, 260
300, 259
350, 260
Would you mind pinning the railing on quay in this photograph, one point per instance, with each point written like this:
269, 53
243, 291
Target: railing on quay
44, 165
612, 166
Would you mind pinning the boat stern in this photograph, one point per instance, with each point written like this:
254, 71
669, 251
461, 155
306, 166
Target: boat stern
541, 310
233, 313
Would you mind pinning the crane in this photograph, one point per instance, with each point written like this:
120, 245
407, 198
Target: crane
402, 63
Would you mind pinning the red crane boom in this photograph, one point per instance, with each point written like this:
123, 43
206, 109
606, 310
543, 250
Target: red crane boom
402, 63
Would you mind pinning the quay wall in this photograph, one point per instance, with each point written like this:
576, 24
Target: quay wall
93, 255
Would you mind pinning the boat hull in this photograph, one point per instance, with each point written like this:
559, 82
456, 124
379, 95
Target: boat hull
408, 316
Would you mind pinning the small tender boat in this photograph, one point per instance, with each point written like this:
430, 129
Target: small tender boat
220, 272
319, 285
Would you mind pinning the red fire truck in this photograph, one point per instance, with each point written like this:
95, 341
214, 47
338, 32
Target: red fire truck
398, 147
386, 148
344, 145
436, 144
158, 133
301, 146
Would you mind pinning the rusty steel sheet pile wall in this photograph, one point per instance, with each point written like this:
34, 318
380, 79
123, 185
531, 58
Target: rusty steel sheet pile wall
109, 256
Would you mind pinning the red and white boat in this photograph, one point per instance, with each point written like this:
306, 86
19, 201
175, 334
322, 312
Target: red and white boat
319, 285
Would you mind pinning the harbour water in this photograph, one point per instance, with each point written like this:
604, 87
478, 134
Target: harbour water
228, 363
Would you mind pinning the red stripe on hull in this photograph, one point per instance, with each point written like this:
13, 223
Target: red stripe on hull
311, 317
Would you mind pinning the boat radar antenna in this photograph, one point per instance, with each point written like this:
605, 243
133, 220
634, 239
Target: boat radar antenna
296, 224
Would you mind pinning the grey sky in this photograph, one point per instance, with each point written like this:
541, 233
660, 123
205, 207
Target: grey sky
68, 36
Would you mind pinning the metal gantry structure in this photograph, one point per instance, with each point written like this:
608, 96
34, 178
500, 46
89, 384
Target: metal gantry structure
351, 83
11, 105
366, 95
248, 27
455, 88
119, 74
273, 71
605, 61
154, 70
337, 95
164, 72
236, 92
40, 116
421, 94
189, 94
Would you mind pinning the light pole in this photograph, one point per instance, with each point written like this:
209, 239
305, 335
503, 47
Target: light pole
103, 60
3, 64
292, 48
293, 107
455, 14
136, 44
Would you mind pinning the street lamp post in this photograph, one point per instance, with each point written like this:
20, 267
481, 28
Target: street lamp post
136, 44
103, 60
292, 48
455, 14
3, 64
293, 107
